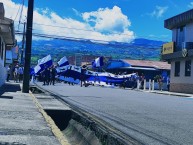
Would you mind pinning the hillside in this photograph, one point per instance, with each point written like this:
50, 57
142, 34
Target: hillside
137, 49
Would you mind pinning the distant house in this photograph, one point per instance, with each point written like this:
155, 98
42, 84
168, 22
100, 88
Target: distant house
180, 51
85, 59
7, 41
149, 68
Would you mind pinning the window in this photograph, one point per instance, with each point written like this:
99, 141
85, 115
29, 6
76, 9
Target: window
188, 68
180, 38
177, 69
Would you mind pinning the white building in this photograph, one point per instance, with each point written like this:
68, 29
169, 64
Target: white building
179, 52
78, 59
7, 40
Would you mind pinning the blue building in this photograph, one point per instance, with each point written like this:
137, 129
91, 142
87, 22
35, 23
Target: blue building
149, 68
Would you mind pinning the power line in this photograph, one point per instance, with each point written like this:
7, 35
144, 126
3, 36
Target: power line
88, 30
21, 13
18, 11
63, 27
80, 34
77, 29
75, 39
74, 29
60, 37
139, 36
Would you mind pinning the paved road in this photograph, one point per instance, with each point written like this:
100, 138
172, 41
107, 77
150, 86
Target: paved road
152, 119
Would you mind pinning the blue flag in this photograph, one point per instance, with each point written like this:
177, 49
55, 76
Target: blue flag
43, 63
63, 62
98, 62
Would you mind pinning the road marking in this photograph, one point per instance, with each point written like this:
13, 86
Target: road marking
56, 131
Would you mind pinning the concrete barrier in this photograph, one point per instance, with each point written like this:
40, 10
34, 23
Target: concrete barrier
153, 82
144, 85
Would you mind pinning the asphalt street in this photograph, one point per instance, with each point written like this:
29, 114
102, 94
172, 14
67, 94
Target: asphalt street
152, 119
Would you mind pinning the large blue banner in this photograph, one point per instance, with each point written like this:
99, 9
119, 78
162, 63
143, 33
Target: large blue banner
74, 72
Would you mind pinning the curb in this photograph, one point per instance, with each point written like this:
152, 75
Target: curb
173, 94
56, 131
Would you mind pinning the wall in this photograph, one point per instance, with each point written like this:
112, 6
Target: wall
181, 88
182, 78
174, 34
182, 83
2, 68
2, 48
2, 73
189, 32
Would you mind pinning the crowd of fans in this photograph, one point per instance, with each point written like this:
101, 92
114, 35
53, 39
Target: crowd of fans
48, 77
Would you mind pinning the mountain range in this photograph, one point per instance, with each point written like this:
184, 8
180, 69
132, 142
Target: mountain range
137, 49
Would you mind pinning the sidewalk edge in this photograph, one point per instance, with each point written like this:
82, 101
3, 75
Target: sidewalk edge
56, 131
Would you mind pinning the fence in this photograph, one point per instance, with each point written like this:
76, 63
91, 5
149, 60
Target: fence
152, 85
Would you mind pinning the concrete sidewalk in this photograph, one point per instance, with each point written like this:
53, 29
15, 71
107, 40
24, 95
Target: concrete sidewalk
21, 120
150, 91
160, 92
172, 93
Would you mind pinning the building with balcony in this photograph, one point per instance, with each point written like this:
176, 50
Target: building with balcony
7, 41
179, 52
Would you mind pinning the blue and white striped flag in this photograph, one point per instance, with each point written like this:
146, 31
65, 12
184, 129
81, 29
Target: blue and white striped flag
63, 62
39, 60
43, 63
98, 62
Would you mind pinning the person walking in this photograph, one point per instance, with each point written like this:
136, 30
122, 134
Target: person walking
15, 73
168, 83
53, 75
8, 72
82, 76
43, 77
142, 78
46, 76
160, 82
20, 73
134, 78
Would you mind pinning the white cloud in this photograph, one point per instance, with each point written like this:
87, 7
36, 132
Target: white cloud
190, 5
43, 11
108, 20
159, 11
76, 12
109, 24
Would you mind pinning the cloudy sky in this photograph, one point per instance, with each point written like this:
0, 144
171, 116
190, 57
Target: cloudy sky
107, 20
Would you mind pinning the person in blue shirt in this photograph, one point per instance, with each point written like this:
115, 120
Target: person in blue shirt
134, 79
168, 82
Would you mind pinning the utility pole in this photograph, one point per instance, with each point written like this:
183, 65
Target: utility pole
23, 42
27, 62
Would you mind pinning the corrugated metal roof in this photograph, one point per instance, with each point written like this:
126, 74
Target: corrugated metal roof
179, 20
148, 63
140, 68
